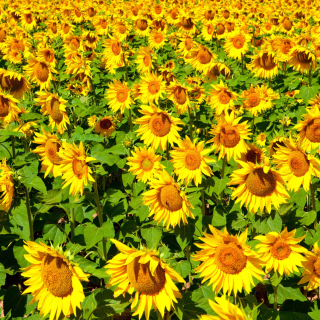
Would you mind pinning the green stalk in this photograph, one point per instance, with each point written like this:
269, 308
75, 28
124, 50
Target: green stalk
242, 63
127, 77
285, 68
104, 242
190, 124
275, 304
13, 140
130, 119
168, 154
253, 127
30, 217
188, 258
203, 203
222, 174
72, 222
270, 83
310, 76
313, 189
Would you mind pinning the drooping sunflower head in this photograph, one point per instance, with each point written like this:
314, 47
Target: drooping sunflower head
178, 94
54, 275
302, 59
258, 187
157, 127
105, 126
6, 186
276, 143
9, 110
224, 257
264, 64
253, 154
229, 136
142, 273
281, 252
168, 203
202, 59
218, 69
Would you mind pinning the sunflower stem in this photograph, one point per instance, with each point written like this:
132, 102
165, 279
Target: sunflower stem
242, 63
313, 189
310, 76
168, 154
253, 127
188, 258
222, 175
203, 203
13, 146
130, 119
30, 218
104, 243
275, 304
190, 124
285, 68
270, 83
127, 77
72, 222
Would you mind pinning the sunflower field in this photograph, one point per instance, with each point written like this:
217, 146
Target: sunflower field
160, 159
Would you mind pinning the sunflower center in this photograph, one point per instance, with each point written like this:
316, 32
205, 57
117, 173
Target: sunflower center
158, 38
75, 42
91, 38
3, 35
122, 95
220, 29
4, 107
146, 60
91, 12
280, 250
209, 14
116, 48
170, 198
157, 9
196, 94
54, 28
79, 168
174, 14
146, 164
105, 124
229, 136
267, 61
210, 29
261, 184
224, 97
28, 17
298, 163
180, 95
103, 23
56, 276
253, 100
253, 156
53, 108
122, 28
316, 267
238, 42
160, 124
303, 57
41, 71
49, 56
187, 23
192, 159
204, 56
19, 45
230, 258
263, 137
135, 11
188, 43
77, 12
13, 84
154, 87
51, 148
66, 28
142, 24
142, 280
285, 47
313, 130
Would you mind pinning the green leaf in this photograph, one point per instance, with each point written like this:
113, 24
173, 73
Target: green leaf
2, 275
108, 229
220, 184
19, 252
129, 226
92, 235
152, 235
285, 293
187, 309
307, 93
184, 234
315, 315
275, 223
11, 133
143, 213
183, 268
306, 218
53, 233
276, 279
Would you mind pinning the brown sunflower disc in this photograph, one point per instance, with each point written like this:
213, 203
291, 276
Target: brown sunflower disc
298, 163
170, 198
280, 250
261, 184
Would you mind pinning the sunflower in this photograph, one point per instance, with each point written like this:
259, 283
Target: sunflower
9, 111
40, 73
113, 52
152, 88
119, 96
221, 98
20, 43
90, 39
227, 261
141, 27
101, 25
157, 127
47, 55
15, 83
55, 107
74, 167
202, 59
254, 155
144, 163
218, 69
187, 22
6, 186
186, 45
178, 94
142, 272
295, 166
208, 31
283, 51
121, 30
54, 280
236, 44
14, 56
254, 101
27, 20
144, 60
225, 310
302, 59
264, 64
275, 144
281, 252
65, 29
157, 39
311, 272
269, 96
190, 161
168, 203
309, 135
197, 94
261, 139
27, 128
105, 126
229, 136
48, 149
259, 186
92, 121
